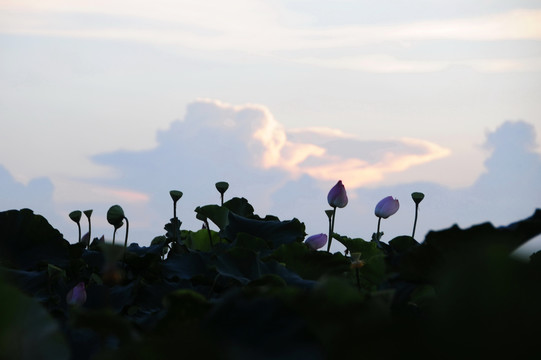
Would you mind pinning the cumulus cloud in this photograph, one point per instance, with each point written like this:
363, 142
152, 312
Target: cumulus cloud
215, 135
513, 170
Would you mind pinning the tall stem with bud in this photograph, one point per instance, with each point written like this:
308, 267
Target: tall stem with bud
337, 197
417, 198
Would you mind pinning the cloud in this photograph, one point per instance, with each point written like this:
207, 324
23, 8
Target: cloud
383, 63
513, 171
360, 163
218, 23
258, 27
215, 137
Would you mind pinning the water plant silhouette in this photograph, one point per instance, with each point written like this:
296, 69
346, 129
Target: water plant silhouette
386, 207
76, 217
337, 198
417, 198
261, 288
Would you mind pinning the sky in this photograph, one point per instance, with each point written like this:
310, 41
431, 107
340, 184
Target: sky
119, 102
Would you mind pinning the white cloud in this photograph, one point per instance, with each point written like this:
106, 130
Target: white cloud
315, 159
257, 27
249, 137
382, 63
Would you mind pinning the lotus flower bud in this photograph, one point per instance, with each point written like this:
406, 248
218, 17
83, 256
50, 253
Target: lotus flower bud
337, 196
115, 215
316, 241
77, 295
386, 207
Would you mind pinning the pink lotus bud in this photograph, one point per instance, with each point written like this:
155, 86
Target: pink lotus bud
316, 241
337, 196
387, 207
77, 295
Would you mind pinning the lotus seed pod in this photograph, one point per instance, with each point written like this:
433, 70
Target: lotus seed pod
417, 197
75, 215
175, 195
222, 187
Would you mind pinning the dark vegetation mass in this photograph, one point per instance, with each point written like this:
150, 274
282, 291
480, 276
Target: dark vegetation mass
255, 290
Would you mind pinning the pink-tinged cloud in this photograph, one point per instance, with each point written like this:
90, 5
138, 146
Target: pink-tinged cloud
323, 153
129, 196
124, 196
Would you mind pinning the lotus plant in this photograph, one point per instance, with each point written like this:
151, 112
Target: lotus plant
222, 187
88, 214
337, 198
329, 214
417, 198
385, 208
174, 225
77, 295
175, 195
317, 241
115, 217
76, 217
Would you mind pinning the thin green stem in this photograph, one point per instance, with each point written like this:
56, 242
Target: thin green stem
331, 228
415, 221
174, 209
378, 233
127, 229
89, 233
114, 234
79, 227
222, 198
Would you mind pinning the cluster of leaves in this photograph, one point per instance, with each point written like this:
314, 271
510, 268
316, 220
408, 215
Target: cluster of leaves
253, 289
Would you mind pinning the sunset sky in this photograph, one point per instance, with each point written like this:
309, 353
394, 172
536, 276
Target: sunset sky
106, 102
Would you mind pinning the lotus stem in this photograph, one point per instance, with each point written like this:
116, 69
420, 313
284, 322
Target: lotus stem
331, 228
127, 229
378, 233
415, 220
